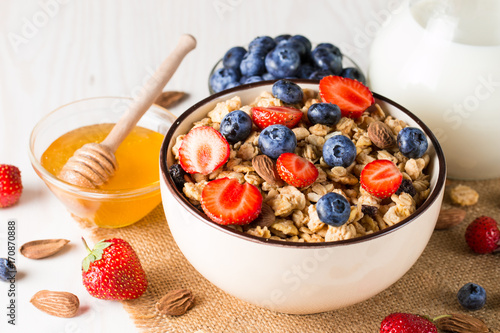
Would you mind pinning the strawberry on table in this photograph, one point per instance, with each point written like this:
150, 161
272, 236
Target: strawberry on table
276, 115
113, 271
482, 235
226, 201
10, 185
351, 96
203, 150
381, 178
296, 170
406, 323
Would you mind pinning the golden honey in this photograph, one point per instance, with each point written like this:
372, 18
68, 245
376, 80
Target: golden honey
138, 167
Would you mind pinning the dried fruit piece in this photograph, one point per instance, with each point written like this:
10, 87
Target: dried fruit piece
449, 218
266, 168
176, 302
381, 135
464, 195
43, 248
56, 303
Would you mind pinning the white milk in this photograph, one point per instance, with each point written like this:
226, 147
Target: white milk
448, 75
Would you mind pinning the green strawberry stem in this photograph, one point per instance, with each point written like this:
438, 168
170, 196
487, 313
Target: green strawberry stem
86, 246
94, 254
440, 317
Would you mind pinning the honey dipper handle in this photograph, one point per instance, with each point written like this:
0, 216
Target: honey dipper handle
151, 90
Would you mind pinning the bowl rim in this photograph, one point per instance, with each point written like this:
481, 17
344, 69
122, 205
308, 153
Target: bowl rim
96, 194
439, 187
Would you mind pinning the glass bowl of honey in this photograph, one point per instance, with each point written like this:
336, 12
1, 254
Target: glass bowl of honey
133, 191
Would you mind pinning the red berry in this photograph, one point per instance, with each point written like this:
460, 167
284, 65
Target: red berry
276, 115
482, 235
11, 186
203, 150
351, 96
226, 201
381, 178
406, 323
296, 170
113, 271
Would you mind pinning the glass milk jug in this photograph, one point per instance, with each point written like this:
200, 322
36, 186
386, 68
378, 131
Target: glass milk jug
441, 60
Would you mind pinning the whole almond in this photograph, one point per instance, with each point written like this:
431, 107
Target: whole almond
42, 248
449, 217
266, 217
461, 323
381, 135
266, 168
176, 302
168, 99
56, 303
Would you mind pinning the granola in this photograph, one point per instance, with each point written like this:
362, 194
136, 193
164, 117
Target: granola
294, 208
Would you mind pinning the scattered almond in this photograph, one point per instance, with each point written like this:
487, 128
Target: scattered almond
381, 135
43, 248
167, 99
266, 168
176, 302
56, 303
461, 323
449, 218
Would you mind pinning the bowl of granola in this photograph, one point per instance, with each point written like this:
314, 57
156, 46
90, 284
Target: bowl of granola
308, 208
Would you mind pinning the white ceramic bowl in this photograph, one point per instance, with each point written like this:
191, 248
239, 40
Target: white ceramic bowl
297, 278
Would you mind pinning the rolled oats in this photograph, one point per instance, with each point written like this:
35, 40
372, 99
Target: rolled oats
464, 195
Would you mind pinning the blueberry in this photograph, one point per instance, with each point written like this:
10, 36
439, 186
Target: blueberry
319, 74
472, 296
281, 38
331, 48
339, 150
305, 70
324, 113
222, 77
288, 92
268, 76
264, 41
412, 142
177, 173
282, 62
326, 60
333, 209
303, 40
353, 73
236, 126
296, 46
233, 57
275, 140
254, 78
232, 85
253, 63
8, 270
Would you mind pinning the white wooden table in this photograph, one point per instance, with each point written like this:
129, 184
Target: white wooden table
56, 51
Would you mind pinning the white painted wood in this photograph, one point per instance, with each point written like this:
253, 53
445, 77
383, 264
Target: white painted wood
56, 51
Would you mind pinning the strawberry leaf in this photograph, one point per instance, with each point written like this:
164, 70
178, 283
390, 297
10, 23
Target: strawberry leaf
94, 254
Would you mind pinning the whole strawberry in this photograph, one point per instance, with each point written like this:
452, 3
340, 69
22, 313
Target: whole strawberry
406, 323
482, 235
113, 271
10, 185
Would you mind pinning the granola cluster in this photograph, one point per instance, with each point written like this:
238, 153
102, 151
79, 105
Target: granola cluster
295, 217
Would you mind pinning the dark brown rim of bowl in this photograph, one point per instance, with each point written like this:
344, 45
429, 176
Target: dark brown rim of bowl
179, 196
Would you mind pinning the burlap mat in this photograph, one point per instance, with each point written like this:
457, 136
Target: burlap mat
429, 288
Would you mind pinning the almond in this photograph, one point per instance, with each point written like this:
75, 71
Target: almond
176, 302
450, 217
167, 99
461, 323
56, 303
42, 248
266, 217
266, 168
381, 135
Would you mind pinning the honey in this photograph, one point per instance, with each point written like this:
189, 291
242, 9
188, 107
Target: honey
138, 167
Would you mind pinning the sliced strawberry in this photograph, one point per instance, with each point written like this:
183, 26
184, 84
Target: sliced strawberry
381, 178
273, 115
203, 150
351, 96
226, 201
296, 170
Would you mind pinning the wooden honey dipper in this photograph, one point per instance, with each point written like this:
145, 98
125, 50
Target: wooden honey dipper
94, 163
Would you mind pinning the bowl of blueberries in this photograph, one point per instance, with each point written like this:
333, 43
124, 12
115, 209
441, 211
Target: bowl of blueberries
282, 57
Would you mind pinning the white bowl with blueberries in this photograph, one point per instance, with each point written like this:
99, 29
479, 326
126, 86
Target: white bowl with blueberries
284, 56
292, 275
